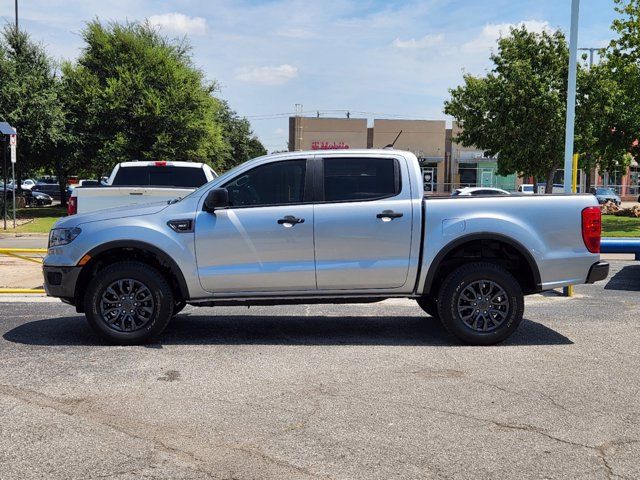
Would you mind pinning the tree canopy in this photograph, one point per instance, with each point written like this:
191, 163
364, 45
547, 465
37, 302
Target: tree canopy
133, 94
30, 100
517, 111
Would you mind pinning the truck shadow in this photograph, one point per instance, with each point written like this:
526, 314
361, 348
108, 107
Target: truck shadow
189, 329
627, 279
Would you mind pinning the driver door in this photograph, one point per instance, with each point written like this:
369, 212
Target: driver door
263, 241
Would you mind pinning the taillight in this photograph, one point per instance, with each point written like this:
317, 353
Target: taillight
592, 228
161, 163
72, 206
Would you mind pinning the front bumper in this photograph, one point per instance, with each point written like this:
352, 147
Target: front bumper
61, 281
598, 271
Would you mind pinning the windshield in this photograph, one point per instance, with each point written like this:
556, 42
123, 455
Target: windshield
604, 191
527, 188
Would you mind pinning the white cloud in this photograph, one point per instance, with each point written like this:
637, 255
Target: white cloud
427, 41
295, 33
179, 23
493, 31
267, 75
279, 131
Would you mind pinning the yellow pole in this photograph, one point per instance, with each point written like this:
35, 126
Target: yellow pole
574, 189
15, 291
574, 183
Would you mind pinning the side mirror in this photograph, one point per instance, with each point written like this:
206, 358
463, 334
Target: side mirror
216, 198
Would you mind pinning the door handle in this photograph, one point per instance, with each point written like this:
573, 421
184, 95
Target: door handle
389, 215
290, 219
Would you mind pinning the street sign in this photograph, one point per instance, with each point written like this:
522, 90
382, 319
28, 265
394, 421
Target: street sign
12, 140
13, 152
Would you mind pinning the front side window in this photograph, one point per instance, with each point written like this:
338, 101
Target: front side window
280, 183
358, 179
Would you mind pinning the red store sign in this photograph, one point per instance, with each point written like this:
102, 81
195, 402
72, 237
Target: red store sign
320, 145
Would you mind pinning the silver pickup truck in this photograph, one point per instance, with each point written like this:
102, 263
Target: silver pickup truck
323, 227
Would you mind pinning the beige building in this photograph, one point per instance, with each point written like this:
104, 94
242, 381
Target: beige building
306, 133
446, 165
424, 138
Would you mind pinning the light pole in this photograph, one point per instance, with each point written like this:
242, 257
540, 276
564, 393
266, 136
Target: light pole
571, 95
16, 2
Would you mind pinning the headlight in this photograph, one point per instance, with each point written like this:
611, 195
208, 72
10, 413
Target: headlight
62, 236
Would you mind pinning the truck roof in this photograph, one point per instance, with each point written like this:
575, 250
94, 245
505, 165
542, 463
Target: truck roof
350, 151
163, 163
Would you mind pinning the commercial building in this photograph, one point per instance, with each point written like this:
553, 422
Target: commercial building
446, 164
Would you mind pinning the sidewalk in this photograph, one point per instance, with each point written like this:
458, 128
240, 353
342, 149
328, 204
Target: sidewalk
11, 240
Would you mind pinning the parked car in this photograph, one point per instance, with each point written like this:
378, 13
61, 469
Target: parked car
85, 183
39, 199
476, 191
131, 183
26, 184
557, 188
51, 189
604, 195
526, 189
323, 227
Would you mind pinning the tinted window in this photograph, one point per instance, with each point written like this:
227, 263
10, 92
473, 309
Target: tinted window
278, 183
487, 192
360, 178
160, 176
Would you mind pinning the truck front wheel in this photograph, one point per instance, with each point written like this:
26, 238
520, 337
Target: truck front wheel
129, 303
481, 303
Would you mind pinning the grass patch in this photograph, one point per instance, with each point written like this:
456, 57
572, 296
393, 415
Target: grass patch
43, 218
613, 226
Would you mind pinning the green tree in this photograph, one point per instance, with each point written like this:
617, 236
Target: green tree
620, 124
30, 100
517, 111
243, 144
134, 94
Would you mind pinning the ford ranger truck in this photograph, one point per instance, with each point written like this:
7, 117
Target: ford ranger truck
323, 227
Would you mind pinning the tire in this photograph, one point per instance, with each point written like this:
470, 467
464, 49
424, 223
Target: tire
178, 307
504, 309
150, 299
429, 305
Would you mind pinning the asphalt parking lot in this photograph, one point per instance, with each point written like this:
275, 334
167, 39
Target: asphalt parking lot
345, 391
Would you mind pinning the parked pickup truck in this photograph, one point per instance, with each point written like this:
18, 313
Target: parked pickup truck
323, 227
131, 183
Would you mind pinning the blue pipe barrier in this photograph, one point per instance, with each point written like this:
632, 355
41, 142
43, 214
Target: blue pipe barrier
620, 245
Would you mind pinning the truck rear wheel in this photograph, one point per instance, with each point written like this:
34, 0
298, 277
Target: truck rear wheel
481, 303
129, 303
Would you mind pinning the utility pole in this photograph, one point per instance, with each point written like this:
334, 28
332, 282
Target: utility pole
591, 50
16, 15
571, 95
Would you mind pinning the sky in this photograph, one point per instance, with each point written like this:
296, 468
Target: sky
375, 59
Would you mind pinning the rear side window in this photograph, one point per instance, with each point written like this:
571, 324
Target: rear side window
353, 179
167, 176
280, 183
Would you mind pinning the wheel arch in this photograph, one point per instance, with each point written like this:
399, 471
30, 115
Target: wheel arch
117, 250
531, 285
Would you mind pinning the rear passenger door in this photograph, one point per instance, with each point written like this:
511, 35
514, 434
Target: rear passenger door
362, 223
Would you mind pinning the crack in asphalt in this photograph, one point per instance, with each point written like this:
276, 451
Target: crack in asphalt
79, 407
